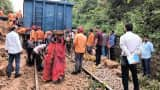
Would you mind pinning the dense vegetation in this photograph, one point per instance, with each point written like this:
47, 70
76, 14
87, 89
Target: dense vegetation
113, 14
6, 5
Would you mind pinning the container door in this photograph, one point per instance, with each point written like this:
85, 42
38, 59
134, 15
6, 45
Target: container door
60, 17
49, 17
38, 13
68, 20
27, 12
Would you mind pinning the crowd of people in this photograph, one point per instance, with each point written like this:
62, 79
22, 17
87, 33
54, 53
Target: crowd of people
130, 43
47, 50
13, 18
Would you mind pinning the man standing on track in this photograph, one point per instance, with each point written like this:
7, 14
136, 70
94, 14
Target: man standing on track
129, 42
90, 41
14, 48
80, 47
112, 43
104, 42
98, 44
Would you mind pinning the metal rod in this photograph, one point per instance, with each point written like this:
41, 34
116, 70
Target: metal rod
36, 76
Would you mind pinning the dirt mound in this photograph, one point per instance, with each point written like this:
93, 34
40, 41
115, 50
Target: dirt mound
3, 54
25, 82
3, 62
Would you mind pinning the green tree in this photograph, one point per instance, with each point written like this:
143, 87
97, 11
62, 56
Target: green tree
113, 14
6, 5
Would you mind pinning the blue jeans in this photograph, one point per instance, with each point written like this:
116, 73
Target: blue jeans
146, 66
104, 50
10, 62
78, 59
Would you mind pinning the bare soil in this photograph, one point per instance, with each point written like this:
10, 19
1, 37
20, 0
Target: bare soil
26, 81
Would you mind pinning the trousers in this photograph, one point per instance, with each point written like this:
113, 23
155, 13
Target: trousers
78, 59
10, 62
98, 54
125, 67
146, 66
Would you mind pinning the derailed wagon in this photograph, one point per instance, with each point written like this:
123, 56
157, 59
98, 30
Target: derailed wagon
50, 15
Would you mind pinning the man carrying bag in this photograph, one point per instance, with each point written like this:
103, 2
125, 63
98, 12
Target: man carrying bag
129, 43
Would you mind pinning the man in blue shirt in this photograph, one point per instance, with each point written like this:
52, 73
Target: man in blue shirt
112, 42
146, 53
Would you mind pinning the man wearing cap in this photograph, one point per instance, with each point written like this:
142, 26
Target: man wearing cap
14, 48
79, 43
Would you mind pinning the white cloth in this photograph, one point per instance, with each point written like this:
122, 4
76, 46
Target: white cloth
72, 35
130, 43
13, 43
38, 48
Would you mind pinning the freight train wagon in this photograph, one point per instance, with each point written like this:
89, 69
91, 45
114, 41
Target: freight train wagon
50, 15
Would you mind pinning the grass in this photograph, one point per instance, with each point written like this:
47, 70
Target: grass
95, 85
148, 83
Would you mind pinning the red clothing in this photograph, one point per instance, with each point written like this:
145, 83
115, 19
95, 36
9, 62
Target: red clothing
54, 62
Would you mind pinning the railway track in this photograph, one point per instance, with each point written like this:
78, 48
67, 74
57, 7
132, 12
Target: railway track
32, 81
107, 87
40, 85
36, 77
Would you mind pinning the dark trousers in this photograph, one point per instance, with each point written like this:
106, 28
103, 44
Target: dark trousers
40, 42
89, 49
125, 67
68, 45
10, 62
112, 53
23, 41
98, 54
29, 54
78, 59
38, 60
146, 66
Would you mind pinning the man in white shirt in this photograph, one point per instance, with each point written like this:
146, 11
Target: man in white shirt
14, 48
38, 55
129, 42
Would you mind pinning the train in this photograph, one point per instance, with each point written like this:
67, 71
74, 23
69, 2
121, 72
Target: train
48, 14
